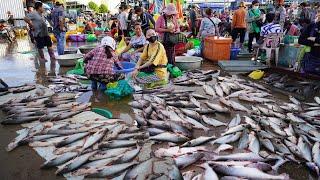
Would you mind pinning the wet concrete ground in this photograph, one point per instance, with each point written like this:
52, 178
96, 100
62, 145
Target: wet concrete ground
18, 65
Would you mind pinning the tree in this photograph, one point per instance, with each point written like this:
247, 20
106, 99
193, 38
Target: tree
93, 6
103, 8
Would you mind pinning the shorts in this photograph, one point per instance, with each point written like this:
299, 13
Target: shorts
41, 42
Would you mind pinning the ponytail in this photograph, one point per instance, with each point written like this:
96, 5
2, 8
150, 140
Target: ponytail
108, 52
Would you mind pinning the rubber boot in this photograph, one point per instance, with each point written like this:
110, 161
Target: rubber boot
94, 85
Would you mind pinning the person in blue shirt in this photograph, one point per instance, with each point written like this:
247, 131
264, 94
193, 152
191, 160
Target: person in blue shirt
59, 26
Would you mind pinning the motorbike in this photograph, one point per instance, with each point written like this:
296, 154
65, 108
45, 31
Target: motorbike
6, 32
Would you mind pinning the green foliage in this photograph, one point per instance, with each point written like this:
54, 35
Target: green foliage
93, 6
103, 8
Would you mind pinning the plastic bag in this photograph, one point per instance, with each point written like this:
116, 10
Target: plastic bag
174, 71
91, 38
122, 89
121, 46
257, 74
78, 69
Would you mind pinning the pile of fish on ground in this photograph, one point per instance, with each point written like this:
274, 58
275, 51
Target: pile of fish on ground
273, 131
68, 83
42, 108
98, 148
289, 84
17, 89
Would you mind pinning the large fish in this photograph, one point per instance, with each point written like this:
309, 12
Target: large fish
111, 170
254, 145
209, 173
217, 107
75, 163
230, 138
253, 157
235, 121
118, 143
169, 137
192, 114
91, 140
198, 141
59, 160
213, 122
186, 160
218, 90
305, 149
71, 138
209, 91
247, 172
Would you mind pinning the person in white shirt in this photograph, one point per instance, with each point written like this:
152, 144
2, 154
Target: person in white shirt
123, 21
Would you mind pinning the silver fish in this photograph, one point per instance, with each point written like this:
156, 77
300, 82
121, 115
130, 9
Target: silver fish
235, 121
239, 157
118, 143
169, 137
195, 102
58, 160
209, 91
213, 122
316, 153
267, 144
244, 140
209, 173
198, 141
246, 172
109, 153
91, 140
317, 99
71, 138
218, 90
217, 107
75, 163
230, 138
236, 129
254, 145
305, 149
188, 159
111, 170
223, 147
294, 100
192, 114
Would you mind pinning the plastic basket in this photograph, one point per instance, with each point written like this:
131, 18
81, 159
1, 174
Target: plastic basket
127, 67
234, 53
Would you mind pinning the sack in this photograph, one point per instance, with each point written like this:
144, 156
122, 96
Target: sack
311, 64
174, 38
121, 46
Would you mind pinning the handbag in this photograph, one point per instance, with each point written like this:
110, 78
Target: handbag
173, 38
259, 22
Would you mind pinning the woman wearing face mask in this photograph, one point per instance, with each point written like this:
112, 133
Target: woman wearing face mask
167, 23
311, 37
254, 20
153, 58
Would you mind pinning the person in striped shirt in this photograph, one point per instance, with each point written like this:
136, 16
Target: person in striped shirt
270, 27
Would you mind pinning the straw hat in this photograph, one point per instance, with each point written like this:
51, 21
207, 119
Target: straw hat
170, 9
150, 33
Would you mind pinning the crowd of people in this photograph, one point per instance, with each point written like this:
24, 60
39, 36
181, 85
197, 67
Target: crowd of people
152, 41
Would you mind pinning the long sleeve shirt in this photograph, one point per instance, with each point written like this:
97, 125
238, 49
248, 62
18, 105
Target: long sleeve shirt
313, 30
161, 23
239, 18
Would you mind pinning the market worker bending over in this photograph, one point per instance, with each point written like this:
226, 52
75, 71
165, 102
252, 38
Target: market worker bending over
153, 57
100, 62
311, 37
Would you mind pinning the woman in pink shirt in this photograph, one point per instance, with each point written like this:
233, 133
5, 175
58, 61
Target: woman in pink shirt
168, 23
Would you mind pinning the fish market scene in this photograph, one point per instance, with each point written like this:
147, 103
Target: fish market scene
160, 89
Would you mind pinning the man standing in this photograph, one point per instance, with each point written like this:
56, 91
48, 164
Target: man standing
193, 19
254, 20
38, 25
145, 19
239, 23
304, 12
123, 21
59, 26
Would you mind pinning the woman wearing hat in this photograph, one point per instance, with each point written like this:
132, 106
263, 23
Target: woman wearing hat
153, 57
100, 62
167, 23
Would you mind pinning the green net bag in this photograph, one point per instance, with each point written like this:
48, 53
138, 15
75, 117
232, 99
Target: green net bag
121, 89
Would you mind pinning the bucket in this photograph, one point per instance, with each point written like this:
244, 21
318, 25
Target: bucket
127, 67
234, 53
